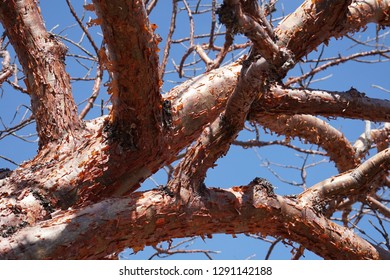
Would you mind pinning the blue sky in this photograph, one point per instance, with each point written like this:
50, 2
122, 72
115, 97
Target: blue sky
239, 166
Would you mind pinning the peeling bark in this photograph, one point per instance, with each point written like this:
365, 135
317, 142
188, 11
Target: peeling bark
349, 104
358, 181
148, 218
42, 57
315, 131
133, 61
326, 19
83, 179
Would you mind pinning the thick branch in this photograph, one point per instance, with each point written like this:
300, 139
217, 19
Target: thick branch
42, 58
66, 176
133, 61
315, 22
350, 104
150, 217
315, 131
358, 181
365, 11
217, 137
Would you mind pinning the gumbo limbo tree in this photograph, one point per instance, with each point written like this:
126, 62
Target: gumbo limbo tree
79, 197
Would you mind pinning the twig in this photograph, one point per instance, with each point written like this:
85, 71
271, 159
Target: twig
271, 248
83, 27
169, 39
333, 63
151, 6
9, 160
95, 92
257, 143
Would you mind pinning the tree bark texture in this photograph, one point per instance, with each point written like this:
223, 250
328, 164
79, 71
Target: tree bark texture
42, 57
77, 198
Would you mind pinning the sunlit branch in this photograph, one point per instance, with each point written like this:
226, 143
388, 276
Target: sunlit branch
315, 131
348, 104
356, 181
379, 206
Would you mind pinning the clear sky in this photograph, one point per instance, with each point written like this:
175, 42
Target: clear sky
239, 166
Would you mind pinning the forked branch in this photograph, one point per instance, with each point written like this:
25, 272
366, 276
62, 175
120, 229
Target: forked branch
132, 58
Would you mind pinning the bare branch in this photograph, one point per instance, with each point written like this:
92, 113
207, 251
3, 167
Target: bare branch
286, 143
246, 209
357, 181
95, 92
333, 63
11, 130
151, 6
73, 12
47, 81
379, 206
168, 39
349, 104
315, 131
135, 88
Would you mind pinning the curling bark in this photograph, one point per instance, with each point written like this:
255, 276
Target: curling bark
84, 178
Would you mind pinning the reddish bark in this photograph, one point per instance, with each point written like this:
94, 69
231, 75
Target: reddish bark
349, 104
148, 218
315, 131
42, 57
80, 181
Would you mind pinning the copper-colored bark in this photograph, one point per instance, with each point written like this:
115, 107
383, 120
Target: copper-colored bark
316, 131
43, 59
145, 219
349, 104
73, 189
133, 61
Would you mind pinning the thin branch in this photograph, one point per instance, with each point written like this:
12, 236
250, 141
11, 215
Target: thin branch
151, 6
385, 211
90, 55
168, 43
90, 39
95, 92
257, 143
334, 62
271, 248
10, 131
9, 160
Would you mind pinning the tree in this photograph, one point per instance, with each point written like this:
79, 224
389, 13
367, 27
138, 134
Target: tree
78, 197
